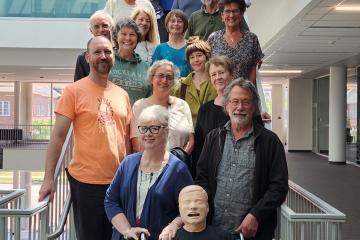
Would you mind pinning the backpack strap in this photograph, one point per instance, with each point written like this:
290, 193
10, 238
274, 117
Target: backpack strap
183, 91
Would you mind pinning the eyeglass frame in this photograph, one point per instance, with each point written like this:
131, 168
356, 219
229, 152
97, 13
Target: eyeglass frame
236, 102
148, 128
162, 76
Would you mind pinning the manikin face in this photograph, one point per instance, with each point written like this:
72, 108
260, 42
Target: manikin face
240, 107
193, 206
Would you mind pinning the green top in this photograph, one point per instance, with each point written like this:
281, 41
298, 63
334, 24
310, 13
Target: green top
192, 97
202, 24
131, 76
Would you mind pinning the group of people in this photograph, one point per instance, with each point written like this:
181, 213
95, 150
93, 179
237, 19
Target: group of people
135, 100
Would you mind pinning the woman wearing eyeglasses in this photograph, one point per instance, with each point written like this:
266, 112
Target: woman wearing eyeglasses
161, 76
143, 196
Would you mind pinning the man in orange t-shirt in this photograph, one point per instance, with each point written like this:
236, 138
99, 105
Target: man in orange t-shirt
100, 112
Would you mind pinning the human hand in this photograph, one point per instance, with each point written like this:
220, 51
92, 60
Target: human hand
47, 187
169, 231
134, 233
249, 226
265, 117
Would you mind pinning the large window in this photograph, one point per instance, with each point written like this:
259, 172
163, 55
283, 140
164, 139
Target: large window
4, 108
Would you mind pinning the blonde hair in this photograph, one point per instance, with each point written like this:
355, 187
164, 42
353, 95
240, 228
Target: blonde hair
152, 35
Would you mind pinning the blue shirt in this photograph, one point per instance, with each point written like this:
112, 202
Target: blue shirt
177, 56
187, 6
161, 202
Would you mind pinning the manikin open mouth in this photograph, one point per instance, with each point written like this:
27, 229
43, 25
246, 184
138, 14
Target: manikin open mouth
193, 214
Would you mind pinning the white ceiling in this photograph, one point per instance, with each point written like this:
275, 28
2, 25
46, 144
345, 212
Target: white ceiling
318, 37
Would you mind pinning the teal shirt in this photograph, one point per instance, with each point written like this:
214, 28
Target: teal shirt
177, 56
131, 76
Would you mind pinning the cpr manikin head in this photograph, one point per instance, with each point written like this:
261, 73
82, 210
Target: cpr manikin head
193, 206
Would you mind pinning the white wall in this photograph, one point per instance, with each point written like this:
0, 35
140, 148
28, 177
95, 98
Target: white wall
277, 114
268, 17
24, 159
300, 114
44, 33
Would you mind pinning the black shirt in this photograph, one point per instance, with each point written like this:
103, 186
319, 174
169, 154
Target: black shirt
210, 233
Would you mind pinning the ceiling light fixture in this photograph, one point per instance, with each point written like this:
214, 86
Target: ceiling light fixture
348, 8
5, 73
280, 71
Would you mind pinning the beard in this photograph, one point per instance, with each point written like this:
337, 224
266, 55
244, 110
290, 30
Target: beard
240, 120
103, 67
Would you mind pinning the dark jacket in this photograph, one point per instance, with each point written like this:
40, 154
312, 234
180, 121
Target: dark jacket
271, 175
82, 68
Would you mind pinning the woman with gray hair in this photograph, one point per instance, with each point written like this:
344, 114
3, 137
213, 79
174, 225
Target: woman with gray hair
161, 76
143, 197
129, 70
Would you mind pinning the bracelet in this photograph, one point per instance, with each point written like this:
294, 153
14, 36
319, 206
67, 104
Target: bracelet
126, 234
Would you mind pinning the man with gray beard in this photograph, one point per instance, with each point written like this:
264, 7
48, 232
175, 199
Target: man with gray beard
243, 168
207, 20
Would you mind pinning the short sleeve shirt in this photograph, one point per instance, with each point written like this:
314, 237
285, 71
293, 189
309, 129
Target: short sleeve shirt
244, 55
101, 118
180, 121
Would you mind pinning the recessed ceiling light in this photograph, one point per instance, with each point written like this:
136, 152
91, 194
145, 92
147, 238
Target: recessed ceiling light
348, 8
56, 68
280, 71
5, 73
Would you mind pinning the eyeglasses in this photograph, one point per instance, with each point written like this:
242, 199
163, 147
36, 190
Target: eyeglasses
153, 129
236, 103
162, 76
234, 11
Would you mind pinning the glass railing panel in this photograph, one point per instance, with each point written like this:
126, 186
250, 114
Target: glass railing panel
50, 8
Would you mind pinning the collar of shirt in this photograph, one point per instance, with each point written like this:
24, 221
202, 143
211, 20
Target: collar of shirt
204, 9
227, 127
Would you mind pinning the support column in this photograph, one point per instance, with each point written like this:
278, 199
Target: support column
17, 94
25, 104
337, 115
277, 111
358, 116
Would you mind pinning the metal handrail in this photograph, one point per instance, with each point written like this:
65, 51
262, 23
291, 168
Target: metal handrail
60, 229
39, 207
10, 195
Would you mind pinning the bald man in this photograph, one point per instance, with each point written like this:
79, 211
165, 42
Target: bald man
100, 113
193, 206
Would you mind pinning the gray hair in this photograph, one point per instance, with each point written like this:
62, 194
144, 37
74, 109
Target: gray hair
154, 113
126, 23
246, 84
151, 71
101, 13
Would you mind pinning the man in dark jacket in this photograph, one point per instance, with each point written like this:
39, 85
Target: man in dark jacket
243, 168
101, 24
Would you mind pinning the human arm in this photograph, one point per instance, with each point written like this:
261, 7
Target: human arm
188, 148
170, 230
202, 167
252, 74
58, 136
136, 110
82, 68
249, 226
276, 175
191, 140
121, 224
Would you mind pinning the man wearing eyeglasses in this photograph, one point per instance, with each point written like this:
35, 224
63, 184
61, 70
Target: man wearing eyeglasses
100, 113
101, 24
243, 168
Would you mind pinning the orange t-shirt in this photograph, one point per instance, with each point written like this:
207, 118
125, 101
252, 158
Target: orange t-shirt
101, 118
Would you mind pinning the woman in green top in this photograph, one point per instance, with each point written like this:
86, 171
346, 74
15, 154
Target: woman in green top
196, 88
129, 70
